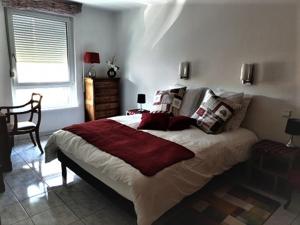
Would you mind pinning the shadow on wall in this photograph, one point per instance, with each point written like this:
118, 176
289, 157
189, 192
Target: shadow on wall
265, 115
273, 72
128, 98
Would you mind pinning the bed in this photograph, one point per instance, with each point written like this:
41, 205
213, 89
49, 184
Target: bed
153, 196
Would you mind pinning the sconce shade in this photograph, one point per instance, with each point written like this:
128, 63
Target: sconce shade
247, 71
184, 70
293, 127
91, 57
141, 98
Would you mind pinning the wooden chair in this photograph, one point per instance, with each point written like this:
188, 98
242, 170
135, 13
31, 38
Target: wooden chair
29, 126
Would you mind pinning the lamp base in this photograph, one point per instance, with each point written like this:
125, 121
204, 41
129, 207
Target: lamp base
290, 144
141, 108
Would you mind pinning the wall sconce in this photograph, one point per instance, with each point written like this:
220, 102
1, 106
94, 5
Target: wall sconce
184, 70
247, 74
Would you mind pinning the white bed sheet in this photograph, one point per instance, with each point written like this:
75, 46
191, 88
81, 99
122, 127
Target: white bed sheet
153, 196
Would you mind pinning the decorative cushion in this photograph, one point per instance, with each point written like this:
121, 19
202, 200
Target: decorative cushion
154, 121
169, 101
214, 112
238, 117
180, 122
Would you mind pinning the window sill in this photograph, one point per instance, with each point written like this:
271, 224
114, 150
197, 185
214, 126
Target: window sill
60, 108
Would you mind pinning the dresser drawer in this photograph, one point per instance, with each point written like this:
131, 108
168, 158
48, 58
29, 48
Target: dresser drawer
106, 99
105, 106
106, 85
106, 92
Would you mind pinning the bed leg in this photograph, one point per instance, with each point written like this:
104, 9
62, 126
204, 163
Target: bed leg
64, 173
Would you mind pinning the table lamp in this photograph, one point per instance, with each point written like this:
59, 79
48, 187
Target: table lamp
141, 99
292, 128
91, 58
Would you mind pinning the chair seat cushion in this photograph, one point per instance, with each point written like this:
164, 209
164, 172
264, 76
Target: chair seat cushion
26, 125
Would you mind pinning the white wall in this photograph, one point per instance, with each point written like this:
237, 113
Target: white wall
94, 30
216, 39
5, 93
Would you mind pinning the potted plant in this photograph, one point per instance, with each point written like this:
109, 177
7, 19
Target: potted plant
112, 68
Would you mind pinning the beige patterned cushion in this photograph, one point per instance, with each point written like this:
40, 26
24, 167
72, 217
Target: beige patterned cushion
214, 112
169, 101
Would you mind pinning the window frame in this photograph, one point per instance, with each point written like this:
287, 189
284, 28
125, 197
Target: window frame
70, 54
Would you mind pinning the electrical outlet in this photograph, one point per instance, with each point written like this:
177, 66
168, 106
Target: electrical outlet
287, 113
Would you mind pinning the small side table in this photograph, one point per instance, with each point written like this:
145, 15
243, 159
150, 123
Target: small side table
270, 165
136, 111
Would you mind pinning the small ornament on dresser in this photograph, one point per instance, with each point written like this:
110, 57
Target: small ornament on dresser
112, 68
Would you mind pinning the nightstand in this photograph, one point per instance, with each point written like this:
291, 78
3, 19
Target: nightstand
270, 165
136, 111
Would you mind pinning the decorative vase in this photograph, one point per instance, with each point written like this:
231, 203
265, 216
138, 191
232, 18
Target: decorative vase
111, 73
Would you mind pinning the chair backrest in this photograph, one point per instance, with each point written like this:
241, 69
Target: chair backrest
36, 101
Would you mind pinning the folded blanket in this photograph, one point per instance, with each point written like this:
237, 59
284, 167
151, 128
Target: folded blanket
145, 152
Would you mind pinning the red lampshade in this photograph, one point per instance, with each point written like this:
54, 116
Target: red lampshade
91, 57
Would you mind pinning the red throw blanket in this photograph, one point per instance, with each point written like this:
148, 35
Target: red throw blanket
145, 152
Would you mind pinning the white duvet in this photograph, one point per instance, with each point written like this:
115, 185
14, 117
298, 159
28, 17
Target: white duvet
153, 196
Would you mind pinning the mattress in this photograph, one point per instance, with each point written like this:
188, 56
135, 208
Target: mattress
153, 196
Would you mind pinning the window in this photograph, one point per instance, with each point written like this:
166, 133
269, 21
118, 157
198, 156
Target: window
42, 53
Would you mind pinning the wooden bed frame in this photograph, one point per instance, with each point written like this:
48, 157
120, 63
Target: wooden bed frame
95, 182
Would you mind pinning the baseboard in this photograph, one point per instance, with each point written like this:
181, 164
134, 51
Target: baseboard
25, 137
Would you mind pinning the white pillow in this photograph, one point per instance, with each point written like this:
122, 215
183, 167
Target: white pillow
191, 101
240, 115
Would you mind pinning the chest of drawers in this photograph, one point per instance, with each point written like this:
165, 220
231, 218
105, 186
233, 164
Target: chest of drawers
101, 98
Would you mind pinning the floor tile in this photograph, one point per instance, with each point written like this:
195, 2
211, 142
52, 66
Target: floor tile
46, 169
81, 202
21, 146
24, 222
7, 198
23, 192
280, 217
79, 222
18, 162
40, 203
296, 221
56, 181
55, 216
107, 216
24, 177
31, 155
12, 214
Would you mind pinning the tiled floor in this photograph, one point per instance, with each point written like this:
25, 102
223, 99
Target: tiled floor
35, 194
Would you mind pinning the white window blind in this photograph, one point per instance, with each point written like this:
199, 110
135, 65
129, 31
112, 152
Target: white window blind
41, 49
42, 58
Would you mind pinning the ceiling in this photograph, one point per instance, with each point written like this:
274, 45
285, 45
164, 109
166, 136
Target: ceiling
126, 4
119, 4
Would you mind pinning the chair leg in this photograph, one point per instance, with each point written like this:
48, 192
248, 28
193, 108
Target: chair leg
32, 139
37, 136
